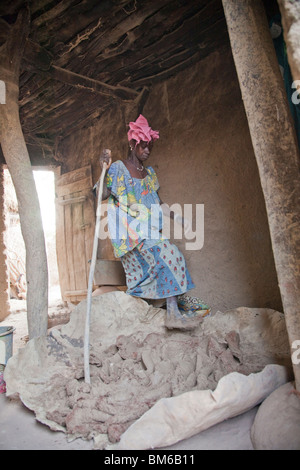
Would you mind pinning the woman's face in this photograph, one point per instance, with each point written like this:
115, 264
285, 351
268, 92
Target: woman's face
143, 150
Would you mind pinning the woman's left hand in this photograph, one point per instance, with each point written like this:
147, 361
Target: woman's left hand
105, 157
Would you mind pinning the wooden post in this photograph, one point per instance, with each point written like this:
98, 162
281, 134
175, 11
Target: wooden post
275, 146
18, 162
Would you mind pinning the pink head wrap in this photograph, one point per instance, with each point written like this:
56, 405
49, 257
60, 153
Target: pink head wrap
140, 130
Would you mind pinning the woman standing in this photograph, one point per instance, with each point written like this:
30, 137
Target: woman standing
154, 267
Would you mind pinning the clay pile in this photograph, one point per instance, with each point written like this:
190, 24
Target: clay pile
135, 362
130, 376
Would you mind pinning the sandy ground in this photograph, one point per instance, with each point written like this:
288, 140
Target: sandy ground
20, 430
18, 316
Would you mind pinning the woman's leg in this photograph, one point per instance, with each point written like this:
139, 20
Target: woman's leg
159, 270
172, 307
175, 319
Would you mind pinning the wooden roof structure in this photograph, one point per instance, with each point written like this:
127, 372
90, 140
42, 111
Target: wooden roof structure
82, 55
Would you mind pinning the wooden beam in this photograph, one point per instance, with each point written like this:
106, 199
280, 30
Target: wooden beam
113, 33
79, 81
144, 61
38, 59
275, 147
33, 53
80, 37
74, 21
10, 57
73, 79
49, 15
18, 162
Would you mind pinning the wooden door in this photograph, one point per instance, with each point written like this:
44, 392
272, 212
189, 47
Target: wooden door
75, 227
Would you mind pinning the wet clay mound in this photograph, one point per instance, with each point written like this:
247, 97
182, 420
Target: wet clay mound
135, 362
131, 376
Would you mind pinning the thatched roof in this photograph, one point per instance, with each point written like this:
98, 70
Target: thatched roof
83, 55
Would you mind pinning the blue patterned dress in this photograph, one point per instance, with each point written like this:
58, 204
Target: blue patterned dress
154, 267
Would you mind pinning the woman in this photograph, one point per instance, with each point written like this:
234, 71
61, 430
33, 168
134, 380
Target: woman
154, 267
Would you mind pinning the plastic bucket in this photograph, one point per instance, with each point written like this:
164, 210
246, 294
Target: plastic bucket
6, 343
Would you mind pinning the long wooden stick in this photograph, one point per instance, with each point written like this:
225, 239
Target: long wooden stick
91, 280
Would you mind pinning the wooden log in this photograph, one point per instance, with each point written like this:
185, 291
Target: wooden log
189, 22
163, 28
95, 86
117, 29
76, 80
39, 60
154, 67
57, 10
18, 162
73, 21
275, 146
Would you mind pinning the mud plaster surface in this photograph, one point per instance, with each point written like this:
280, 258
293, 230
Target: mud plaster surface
135, 361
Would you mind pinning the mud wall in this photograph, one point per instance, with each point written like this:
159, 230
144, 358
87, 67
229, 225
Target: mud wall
204, 156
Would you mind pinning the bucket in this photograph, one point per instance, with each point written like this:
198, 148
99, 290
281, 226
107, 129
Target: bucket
6, 343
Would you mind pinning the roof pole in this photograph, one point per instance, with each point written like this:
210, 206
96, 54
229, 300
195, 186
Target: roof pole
275, 147
17, 158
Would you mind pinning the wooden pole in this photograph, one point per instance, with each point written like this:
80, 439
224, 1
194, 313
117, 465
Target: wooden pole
18, 162
275, 147
87, 376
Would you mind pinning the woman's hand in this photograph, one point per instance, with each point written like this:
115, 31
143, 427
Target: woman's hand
105, 157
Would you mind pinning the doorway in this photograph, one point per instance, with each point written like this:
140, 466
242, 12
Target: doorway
15, 247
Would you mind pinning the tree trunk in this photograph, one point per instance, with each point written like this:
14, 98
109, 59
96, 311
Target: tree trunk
19, 165
275, 146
